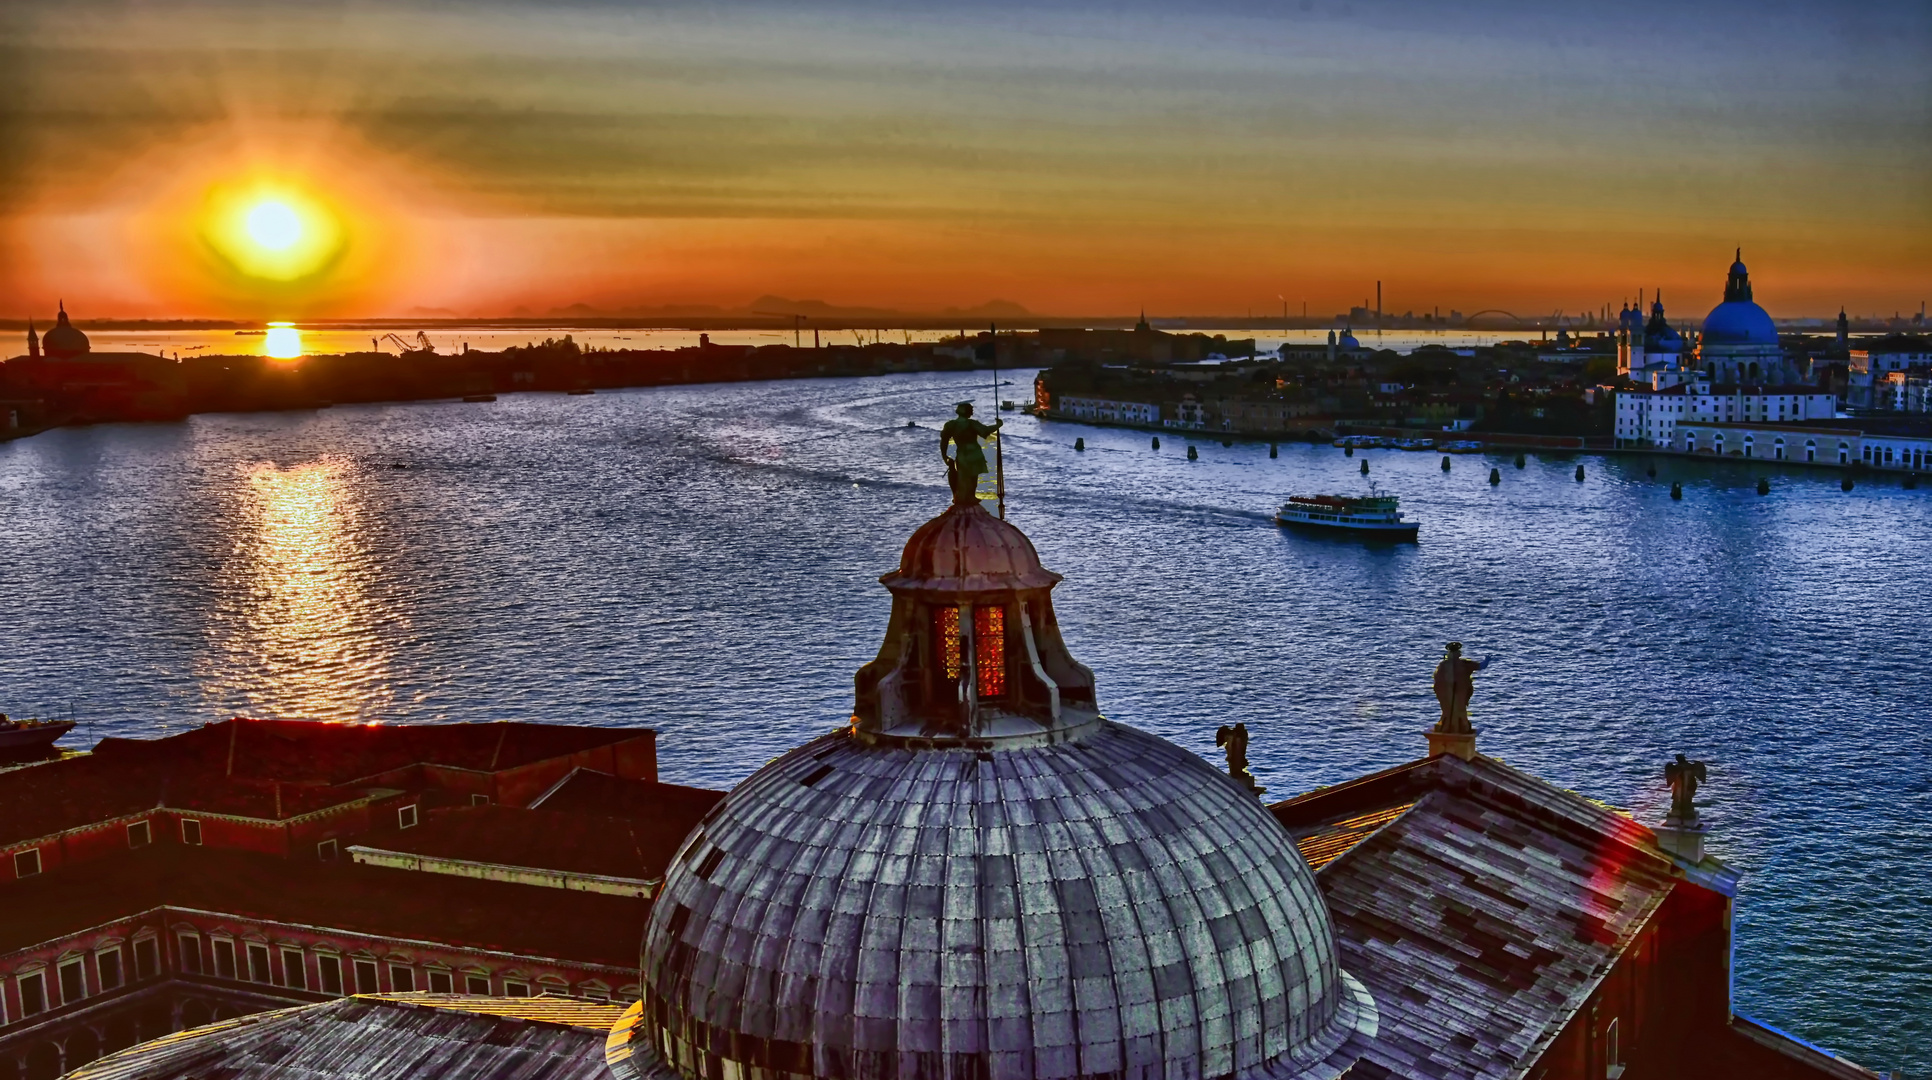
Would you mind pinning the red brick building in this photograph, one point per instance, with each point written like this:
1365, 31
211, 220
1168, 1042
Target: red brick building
158, 884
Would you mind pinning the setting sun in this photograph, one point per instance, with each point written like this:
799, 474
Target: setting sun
273, 234
274, 225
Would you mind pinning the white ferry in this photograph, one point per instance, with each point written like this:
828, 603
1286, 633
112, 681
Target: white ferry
1368, 516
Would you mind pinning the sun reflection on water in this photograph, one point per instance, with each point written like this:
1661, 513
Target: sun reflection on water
306, 635
283, 341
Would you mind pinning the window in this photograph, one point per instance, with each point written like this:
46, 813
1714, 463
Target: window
72, 986
366, 977
224, 958
189, 948
147, 959
594, 991
191, 832
477, 984
402, 980
138, 834
109, 963
258, 964
989, 649
294, 972
439, 983
33, 993
947, 624
1612, 1052
515, 989
26, 863
479, 800
325, 851
406, 817
328, 971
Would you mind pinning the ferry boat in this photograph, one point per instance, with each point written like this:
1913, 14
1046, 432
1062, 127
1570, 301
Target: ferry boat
1367, 516
17, 736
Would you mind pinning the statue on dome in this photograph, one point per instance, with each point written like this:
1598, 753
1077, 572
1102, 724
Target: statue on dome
968, 463
1684, 776
1235, 741
1455, 685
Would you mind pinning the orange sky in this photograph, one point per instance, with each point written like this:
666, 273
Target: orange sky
1073, 158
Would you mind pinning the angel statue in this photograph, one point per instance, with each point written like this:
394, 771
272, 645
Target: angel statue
968, 464
1684, 776
1235, 741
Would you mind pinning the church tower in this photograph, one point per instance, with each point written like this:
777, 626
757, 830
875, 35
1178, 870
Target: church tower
33, 341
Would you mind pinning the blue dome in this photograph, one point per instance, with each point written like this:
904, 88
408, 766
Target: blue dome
1348, 342
1739, 322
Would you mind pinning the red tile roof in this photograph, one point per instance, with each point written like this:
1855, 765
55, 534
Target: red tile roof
280, 768
540, 839
460, 912
662, 814
1478, 904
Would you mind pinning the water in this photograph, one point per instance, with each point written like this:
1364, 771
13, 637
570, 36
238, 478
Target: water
329, 338
703, 560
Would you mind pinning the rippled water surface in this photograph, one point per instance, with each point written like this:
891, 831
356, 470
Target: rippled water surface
703, 559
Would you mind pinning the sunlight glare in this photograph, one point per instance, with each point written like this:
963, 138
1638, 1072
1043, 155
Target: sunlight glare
274, 224
284, 341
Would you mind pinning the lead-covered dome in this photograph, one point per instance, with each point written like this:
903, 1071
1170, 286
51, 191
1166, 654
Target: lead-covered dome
981, 878
1107, 905
64, 340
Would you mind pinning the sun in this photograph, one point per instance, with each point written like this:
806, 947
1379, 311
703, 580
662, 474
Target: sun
273, 232
274, 225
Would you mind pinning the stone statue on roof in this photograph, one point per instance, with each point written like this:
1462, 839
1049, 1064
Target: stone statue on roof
1684, 776
1455, 685
968, 463
1235, 741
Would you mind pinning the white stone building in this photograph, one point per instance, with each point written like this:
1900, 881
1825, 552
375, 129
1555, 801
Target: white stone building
1650, 418
1109, 411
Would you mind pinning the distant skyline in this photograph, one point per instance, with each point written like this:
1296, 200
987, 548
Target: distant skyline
354, 159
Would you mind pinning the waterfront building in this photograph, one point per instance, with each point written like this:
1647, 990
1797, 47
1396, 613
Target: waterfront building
1882, 373
1651, 418
1108, 411
154, 885
980, 877
1869, 441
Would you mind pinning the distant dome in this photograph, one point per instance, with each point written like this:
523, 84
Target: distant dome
981, 878
1348, 341
64, 340
1739, 322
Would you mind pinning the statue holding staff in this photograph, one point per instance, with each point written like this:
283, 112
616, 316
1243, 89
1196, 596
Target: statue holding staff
968, 463
1455, 685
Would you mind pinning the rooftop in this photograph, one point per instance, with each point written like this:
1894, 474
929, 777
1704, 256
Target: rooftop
1480, 906
462, 912
413, 1036
266, 769
545, 839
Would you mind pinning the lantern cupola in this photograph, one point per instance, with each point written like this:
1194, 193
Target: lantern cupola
972, 652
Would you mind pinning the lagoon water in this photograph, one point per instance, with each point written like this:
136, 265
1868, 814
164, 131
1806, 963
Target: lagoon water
703, 560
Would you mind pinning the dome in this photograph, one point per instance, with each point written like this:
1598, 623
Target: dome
1110, 904
978, 877
968, 548
1348, 341
64, 340
1739, 322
